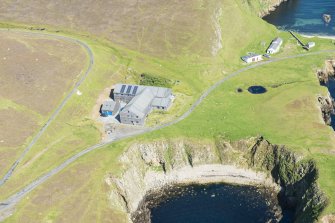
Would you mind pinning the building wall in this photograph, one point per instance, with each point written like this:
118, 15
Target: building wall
130, 118
106, 113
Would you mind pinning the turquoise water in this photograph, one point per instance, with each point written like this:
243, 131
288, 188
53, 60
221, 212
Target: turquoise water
304, 16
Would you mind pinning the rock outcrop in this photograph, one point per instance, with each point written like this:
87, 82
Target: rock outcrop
327, 103
152, 166
326, 18
327, 72
269, 6
327, 108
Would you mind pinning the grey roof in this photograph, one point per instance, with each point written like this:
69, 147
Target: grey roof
108, 105
130, 89
161, 102
276, 43
140, 104
251, 55
160, 92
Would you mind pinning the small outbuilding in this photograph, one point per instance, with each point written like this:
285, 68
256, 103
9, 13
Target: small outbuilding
310, 45
252, 58
275, 46
107, 108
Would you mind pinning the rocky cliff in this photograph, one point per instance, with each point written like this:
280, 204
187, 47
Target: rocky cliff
264, 7
152, 166
327, 103
328, 71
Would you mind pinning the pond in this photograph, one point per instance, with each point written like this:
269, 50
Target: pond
257, 90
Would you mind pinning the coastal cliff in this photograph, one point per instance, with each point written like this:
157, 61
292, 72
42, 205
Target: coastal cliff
327, 104
153, 166
264, 7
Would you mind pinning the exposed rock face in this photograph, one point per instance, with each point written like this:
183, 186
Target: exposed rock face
156, 165
327, 18
327, 72
269, 6
327, 108
327, 103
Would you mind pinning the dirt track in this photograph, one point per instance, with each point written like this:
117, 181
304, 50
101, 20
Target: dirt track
6, 207
63, 102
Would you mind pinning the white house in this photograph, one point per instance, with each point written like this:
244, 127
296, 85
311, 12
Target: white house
252, 58
275, 46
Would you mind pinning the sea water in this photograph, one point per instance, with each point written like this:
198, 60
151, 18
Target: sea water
304, 16
217, 203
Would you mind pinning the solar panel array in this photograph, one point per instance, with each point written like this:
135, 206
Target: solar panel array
135, 90
123, 88
128, 89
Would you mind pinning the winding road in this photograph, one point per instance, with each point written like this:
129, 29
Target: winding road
61, 105
7, 206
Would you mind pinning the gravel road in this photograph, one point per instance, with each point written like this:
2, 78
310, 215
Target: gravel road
7, 206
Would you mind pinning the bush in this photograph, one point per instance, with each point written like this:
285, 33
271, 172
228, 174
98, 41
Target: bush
151, 80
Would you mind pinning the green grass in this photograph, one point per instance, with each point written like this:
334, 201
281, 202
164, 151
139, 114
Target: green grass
287, 114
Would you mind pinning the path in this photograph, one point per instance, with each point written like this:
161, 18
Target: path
62, 104
7, 206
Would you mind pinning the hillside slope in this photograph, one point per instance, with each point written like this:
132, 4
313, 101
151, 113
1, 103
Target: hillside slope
194, 42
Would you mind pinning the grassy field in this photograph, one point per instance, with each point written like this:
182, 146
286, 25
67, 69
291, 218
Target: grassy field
35, 73
287, 114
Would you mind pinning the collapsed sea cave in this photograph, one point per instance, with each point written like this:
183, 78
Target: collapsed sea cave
154, 172
212, 203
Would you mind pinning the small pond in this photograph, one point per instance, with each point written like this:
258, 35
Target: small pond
257, 89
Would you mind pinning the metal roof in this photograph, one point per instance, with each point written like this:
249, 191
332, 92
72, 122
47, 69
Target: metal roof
108, 105
276, 43
128, 89
159, 92
161, 102
140, 104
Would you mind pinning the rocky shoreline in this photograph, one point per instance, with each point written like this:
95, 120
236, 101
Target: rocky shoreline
153, 166
271, 6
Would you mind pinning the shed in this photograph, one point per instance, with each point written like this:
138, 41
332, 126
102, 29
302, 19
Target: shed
310, 45
275, 46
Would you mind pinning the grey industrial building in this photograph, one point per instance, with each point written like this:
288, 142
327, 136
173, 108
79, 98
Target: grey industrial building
140, 101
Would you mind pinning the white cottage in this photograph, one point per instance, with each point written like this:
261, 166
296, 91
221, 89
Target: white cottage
252, 58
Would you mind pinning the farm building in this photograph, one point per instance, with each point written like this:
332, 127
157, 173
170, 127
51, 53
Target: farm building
137, 109
310, 45
140, 101
109, 108
162, 96
252, 58
275, 46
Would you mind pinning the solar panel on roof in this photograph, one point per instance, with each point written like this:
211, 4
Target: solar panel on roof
122, 88
135, 90
128, 89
